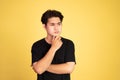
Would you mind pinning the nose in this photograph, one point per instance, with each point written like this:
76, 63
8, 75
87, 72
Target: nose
56, 27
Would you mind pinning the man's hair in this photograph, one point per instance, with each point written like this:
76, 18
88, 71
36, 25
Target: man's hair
49, 14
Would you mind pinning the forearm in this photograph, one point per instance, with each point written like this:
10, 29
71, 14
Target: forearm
64, 68
41, 65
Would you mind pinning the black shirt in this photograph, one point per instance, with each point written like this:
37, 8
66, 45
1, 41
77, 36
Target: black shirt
64, 54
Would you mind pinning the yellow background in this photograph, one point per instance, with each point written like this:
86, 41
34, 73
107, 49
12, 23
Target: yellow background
93, 25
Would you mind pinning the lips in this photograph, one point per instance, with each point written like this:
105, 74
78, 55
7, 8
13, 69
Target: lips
56, 32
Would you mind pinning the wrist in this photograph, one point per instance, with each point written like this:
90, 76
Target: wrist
53, 48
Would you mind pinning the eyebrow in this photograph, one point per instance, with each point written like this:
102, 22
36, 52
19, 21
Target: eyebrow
59, 22
56, 23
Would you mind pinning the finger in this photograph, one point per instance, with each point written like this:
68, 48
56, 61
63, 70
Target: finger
58, 37
53, 37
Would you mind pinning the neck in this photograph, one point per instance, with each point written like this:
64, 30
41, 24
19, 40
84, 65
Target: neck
48, 39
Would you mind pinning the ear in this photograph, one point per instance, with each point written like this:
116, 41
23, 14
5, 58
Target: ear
44, 26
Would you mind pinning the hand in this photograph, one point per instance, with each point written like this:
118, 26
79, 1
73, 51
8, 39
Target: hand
56, 42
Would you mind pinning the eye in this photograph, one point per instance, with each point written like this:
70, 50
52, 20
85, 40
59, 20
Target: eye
52, 24
59, 23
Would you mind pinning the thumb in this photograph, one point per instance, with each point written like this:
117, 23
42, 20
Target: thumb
53, 37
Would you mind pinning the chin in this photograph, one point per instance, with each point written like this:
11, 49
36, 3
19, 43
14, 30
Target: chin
56, 34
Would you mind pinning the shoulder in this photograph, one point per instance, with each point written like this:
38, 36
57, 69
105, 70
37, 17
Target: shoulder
38, 43
67, 41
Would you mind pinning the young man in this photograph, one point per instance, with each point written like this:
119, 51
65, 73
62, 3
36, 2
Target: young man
53, 56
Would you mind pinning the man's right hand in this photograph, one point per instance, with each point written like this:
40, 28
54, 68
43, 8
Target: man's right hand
56, 42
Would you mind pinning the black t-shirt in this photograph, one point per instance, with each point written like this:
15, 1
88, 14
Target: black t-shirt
64, 54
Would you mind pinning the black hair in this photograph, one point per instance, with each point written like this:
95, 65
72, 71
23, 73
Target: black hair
51, 13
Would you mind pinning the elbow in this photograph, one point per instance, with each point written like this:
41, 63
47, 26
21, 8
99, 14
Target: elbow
70, 68
37, 69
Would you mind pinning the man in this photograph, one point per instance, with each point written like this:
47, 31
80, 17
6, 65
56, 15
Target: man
53, 56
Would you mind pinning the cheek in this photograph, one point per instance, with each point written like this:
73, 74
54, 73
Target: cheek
50, 30
60, 28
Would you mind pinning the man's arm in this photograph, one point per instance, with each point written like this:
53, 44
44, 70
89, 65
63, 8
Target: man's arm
42, 65
64, 68
68, 66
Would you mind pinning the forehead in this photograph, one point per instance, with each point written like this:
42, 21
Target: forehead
54, 20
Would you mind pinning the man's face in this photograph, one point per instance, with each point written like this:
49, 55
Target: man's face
53, 26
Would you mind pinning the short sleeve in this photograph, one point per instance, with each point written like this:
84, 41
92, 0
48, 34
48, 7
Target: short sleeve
35, 53
70, 52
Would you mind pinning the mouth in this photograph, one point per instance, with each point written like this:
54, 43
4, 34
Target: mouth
57, 32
